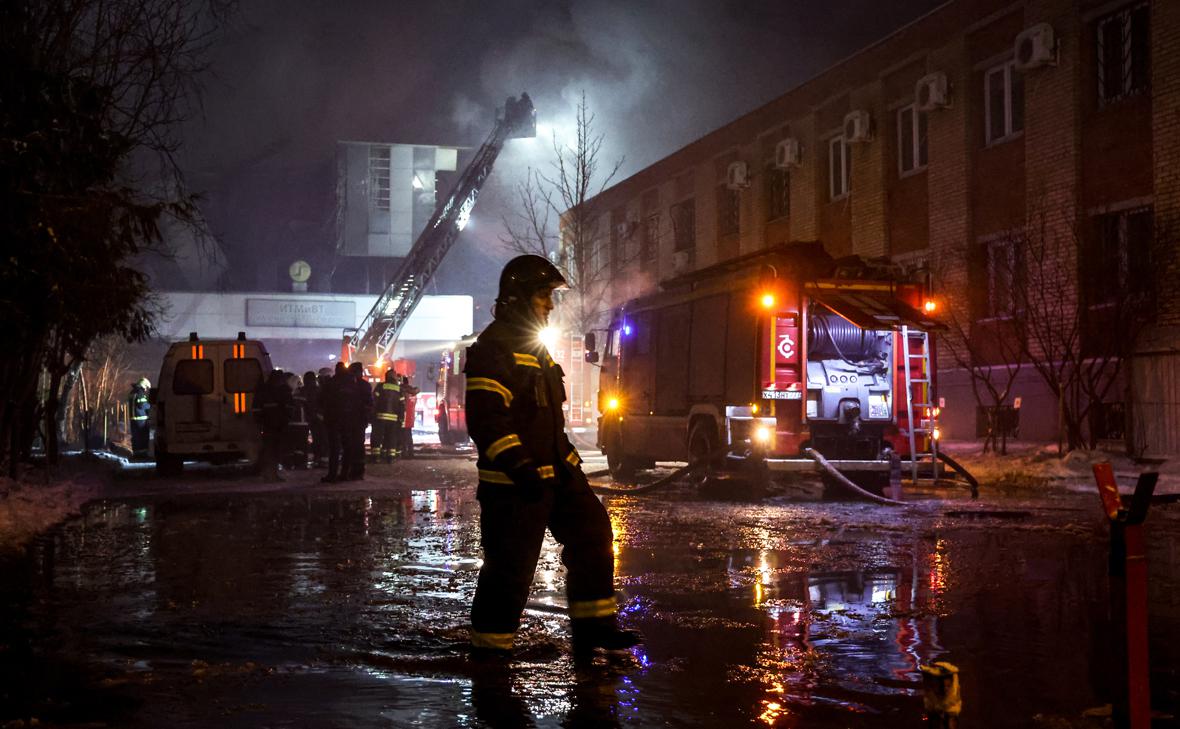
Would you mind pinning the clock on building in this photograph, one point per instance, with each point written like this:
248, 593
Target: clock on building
300, 271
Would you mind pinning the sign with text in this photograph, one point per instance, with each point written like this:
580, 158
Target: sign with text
300, 313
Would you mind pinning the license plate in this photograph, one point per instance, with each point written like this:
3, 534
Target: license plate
782, 394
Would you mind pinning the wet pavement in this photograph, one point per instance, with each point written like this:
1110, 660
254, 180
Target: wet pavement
209, 601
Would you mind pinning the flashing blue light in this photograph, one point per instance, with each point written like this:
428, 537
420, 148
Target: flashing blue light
626, 330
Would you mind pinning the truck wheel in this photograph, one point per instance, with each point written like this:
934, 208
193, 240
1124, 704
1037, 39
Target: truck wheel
702, 442
621, 467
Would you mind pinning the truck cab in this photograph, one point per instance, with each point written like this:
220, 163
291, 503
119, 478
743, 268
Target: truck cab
204, 400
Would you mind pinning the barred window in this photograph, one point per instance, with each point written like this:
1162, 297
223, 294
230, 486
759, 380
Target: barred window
778, 193
651, 238
728, 215
1124, 51
684, 225
379, 194
1118, 260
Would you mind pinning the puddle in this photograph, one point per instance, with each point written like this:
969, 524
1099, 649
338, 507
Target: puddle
350, 610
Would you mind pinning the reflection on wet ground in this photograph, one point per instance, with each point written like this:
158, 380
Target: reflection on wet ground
349, 609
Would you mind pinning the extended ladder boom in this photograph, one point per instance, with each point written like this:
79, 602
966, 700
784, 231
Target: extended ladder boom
381, 326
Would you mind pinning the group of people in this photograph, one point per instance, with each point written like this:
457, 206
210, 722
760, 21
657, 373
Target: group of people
330, 411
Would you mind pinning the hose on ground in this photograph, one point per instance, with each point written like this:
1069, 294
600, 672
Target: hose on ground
844, 480
658, 483
957, 468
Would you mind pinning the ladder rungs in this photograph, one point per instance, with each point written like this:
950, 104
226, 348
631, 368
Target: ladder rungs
924, 381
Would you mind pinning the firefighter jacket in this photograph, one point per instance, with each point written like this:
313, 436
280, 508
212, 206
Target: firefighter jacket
514, 397
137, 403
390, 405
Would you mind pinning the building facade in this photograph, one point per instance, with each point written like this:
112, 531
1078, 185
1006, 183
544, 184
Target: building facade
385, 195
949, 145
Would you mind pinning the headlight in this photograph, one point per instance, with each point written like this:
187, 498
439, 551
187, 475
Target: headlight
763, 434
612, 403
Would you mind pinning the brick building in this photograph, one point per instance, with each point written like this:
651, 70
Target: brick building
931, 147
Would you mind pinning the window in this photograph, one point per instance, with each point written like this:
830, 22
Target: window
1118, 260
379, 177
839, 168
728, 215
651, 238
598, 246
684, 225
911, 139
1003, 94
1003, 275
1124, 46
778, 193
242, 375
193, 377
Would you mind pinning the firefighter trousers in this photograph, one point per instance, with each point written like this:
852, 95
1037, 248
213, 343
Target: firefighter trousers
512, 532
386, 437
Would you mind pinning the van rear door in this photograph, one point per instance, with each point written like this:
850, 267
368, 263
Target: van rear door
194, 405
242, 373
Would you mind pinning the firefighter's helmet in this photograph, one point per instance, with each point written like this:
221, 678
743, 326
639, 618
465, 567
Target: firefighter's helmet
525, 275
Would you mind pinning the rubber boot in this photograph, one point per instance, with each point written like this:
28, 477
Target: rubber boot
591, 633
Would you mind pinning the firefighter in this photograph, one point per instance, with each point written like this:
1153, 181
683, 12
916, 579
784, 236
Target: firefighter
139, 409
530, 476
410, 400
356, 403
387, 420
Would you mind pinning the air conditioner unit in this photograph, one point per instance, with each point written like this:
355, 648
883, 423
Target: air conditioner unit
737, 176
930, 92
681, 261
787, 153
858, 126
1035, 46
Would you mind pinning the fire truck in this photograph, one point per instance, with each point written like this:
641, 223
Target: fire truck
451, 393
785, 359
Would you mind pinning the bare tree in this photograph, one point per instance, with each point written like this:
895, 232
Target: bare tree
1084, 297
558, 217
102, 383
93, 91
983, 334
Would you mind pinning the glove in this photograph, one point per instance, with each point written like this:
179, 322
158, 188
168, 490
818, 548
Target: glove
528, 482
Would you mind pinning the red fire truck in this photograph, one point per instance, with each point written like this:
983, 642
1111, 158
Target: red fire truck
771, 359
450, 393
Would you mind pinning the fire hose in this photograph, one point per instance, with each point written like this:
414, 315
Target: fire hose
658, 483
845, 481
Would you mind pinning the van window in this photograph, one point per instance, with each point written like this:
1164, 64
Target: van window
193, 377
242, 375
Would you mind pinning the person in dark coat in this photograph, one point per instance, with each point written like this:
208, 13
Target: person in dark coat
272, 407
356, 405
330, 408
530, 476
315, 418
387, 418
139, 410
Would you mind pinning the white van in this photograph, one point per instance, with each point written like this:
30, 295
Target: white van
203, 401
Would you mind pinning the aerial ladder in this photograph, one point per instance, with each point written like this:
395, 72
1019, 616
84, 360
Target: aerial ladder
373, 340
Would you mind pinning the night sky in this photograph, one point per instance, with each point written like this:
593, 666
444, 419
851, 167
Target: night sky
290, 78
